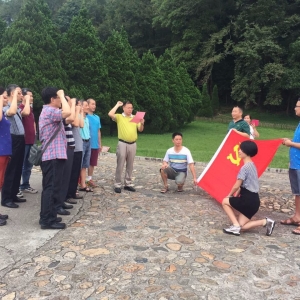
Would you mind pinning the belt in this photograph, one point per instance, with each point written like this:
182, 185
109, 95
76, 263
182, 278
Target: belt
72, 147
126, 142
85, 140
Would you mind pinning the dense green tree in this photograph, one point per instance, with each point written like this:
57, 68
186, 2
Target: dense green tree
136, 18
30, 57
121, 62
82, 59
182, 104
206, 109
192, 22
66, 13
215, 100
191, 91
152, 95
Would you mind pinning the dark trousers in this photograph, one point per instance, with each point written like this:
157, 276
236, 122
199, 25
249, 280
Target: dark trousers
26, 169
52, 182
13, 172
66, 178
76, 167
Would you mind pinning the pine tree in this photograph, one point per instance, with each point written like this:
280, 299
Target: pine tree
82, 58
30, 57
215, 100
121, 62
191, 91
152, 95
180, 101
206, 109
66, 13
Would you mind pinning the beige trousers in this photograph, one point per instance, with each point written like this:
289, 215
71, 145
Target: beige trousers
125, 153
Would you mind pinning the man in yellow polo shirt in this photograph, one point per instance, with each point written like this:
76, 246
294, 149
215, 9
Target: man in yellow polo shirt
126, 149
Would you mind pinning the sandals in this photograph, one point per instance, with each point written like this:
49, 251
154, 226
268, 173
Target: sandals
179, 188
86, 189
290, 221
164, 190
296, 231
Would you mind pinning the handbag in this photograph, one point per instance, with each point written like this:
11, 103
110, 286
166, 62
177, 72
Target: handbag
36, 151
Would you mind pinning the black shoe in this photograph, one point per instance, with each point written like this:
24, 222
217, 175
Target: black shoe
2, 222
77, 197
57, 220
118, 190
63, 212
129, 188
10, 205
3, 217
54, 226
19, 200
67, 206
71, 201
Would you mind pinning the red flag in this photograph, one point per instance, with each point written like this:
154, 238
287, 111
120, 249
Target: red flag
221, 172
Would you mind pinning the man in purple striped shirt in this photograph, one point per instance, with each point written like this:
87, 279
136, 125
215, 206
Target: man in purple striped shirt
55, 156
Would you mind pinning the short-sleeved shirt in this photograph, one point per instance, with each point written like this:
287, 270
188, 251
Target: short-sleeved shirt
69, 134
28, 123
5, 137
50, 119
248, 174
78, 139
16, 125
294, 152
127, 131
240, 125
95, 125
179, 161
85, 131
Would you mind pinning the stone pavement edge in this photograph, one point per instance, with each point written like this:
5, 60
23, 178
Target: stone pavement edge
148, 245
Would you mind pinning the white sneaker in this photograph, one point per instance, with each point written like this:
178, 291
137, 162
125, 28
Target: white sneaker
232, 230
20, 195
270, 226
30, 190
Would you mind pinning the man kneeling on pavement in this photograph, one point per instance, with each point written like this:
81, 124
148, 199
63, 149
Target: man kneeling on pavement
175, 164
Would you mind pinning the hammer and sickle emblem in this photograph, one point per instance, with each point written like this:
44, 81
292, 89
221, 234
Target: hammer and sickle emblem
236, 160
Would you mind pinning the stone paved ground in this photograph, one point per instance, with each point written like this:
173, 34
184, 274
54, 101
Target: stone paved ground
147, 245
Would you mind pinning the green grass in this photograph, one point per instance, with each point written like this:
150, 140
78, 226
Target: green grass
203, 139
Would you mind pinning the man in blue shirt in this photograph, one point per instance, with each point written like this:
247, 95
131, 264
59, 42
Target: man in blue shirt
95, 126
294, 172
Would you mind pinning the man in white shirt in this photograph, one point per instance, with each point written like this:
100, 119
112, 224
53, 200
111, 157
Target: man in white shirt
175, 164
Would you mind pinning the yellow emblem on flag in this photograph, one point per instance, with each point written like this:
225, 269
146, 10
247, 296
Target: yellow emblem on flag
237, 159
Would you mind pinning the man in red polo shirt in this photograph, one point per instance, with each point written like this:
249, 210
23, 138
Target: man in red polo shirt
30, 132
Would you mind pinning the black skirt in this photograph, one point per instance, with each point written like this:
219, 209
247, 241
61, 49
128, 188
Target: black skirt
247, 203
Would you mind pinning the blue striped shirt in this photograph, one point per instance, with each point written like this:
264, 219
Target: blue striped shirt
179, 160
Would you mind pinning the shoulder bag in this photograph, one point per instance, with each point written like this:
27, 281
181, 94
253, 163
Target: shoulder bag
36, 152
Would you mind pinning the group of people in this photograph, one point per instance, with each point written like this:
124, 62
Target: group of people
244, 197
70, 135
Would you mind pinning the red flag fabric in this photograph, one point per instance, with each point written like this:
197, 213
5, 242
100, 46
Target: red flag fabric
221, 172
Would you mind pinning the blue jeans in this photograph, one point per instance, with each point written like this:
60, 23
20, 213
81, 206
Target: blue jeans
26, 170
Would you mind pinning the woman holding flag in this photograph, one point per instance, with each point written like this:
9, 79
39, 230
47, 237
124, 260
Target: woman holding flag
246, 200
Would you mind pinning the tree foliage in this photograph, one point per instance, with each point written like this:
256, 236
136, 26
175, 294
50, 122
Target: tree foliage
152, 94
215, 103
30, 57
82, 58
206, 109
